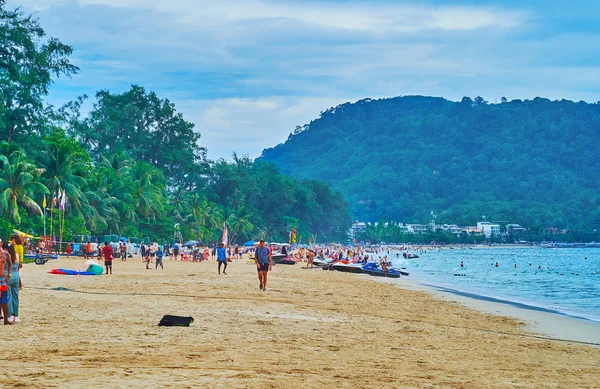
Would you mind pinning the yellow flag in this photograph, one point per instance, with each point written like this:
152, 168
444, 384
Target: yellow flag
44, 203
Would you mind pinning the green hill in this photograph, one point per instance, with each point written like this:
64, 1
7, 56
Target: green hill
534, 162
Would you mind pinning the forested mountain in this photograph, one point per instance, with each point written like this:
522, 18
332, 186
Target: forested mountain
534, 162
133, 165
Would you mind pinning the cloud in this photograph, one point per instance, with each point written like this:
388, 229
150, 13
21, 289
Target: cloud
247, 126
371, 16
247, 72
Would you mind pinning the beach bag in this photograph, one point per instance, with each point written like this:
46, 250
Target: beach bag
176, 321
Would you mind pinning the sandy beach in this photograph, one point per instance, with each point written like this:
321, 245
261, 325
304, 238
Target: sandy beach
311, 329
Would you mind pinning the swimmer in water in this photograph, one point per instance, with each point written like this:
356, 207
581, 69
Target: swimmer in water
515, 265
462, 264
497, 264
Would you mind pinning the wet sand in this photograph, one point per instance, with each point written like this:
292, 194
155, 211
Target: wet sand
311, 329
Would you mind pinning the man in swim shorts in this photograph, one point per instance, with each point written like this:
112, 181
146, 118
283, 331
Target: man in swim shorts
264, 263
107, 251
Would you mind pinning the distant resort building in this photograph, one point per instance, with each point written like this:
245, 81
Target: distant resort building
416, 228
488, 229
514, 228
357, 228
485, 228
472, 230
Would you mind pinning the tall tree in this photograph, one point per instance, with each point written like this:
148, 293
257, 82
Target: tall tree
146, 127
66, 167
28, 61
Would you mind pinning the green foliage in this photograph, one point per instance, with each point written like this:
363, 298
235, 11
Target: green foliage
28, 60
133, 166
533, 162
142, 125
18, 185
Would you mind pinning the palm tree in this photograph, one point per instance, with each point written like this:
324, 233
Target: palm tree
101, 208
148, 186
240, 224
63, 170
18, 183
203, 217
119, 162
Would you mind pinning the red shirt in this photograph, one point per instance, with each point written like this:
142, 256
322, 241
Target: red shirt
108, 252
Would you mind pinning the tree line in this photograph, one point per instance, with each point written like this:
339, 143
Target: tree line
133, 165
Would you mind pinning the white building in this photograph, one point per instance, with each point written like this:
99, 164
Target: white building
488, 229
357, 227
416, 228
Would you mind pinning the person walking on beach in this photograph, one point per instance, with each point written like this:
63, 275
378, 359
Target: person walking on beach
222, 258
176, 250
108, 252
123, 252
159, 259
214, 251
88, 250
143, 251
264, 263
152, 250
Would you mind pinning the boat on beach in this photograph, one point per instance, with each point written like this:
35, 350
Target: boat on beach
374, 269
320, 261
348, 267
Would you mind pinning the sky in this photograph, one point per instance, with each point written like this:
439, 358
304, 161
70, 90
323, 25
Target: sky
246, 72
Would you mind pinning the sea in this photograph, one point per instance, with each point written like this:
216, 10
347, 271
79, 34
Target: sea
563, 281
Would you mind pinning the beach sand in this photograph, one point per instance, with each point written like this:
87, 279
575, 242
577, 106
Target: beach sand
311, 329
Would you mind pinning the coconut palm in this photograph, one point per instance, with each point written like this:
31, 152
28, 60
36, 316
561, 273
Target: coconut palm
119, 162
240, 224
148, 189
101, 208
64, 171
19, 182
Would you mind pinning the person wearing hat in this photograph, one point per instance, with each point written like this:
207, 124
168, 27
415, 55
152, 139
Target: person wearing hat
264, 263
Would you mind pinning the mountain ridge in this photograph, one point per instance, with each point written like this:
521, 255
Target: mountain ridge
531, 161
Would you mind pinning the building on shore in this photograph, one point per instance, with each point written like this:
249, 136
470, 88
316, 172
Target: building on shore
488, 229
416, 228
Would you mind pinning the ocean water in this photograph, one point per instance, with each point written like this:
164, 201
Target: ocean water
567, 282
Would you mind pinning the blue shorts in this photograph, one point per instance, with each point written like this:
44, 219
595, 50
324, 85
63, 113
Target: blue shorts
107, 263
4, 297
263, 267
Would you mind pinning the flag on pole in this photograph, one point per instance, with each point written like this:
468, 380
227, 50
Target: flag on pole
225, 236
44, 203
54, 199
63, 201
294, 235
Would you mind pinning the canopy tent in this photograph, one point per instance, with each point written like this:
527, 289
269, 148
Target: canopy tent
23, 234
249, 243
191, 243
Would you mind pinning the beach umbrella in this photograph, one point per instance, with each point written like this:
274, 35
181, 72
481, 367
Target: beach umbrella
191, 243
249, 243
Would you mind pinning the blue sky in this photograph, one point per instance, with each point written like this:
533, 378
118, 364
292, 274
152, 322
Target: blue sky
247, 72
